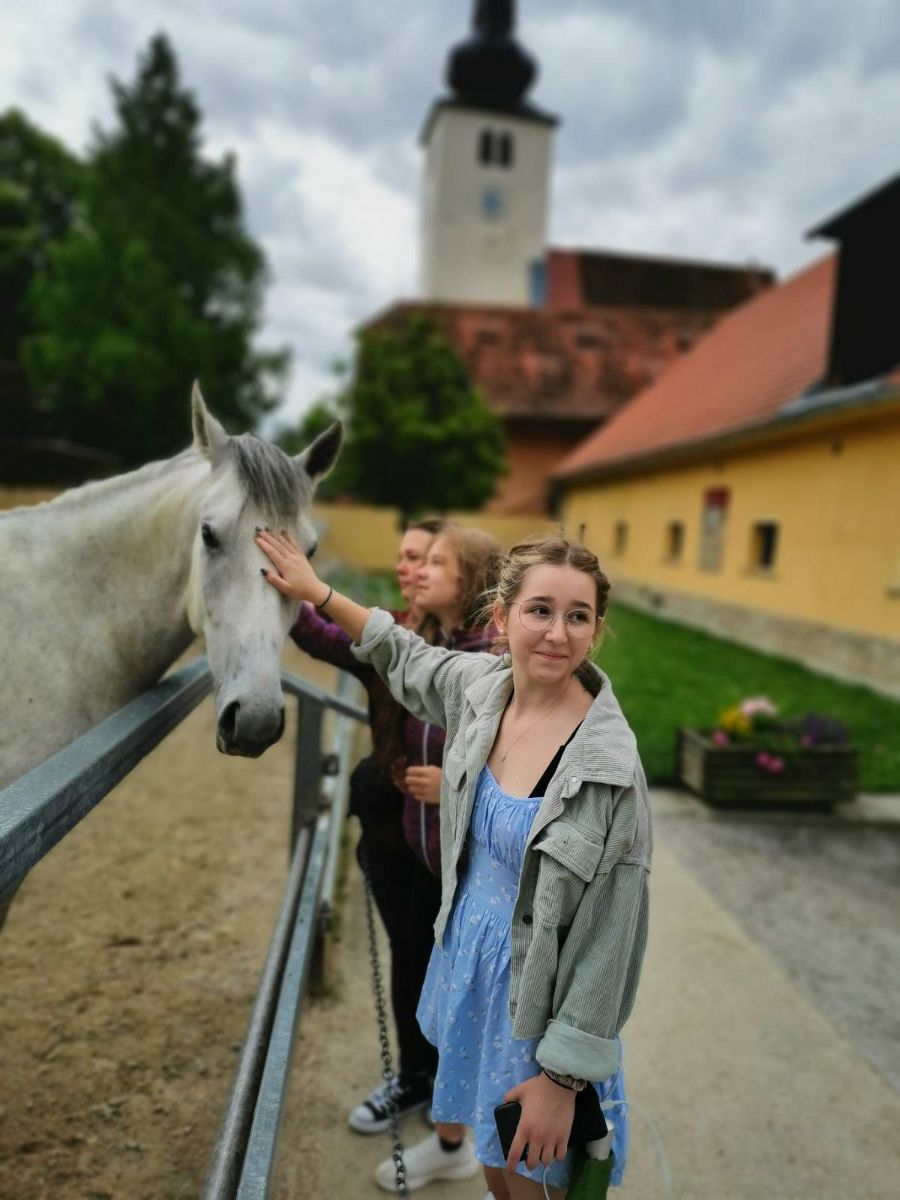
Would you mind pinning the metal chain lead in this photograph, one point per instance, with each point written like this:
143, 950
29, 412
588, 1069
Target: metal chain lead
387, 1072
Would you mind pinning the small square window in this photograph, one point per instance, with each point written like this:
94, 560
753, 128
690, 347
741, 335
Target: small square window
620, 538
764, 544
487, 337
588, 339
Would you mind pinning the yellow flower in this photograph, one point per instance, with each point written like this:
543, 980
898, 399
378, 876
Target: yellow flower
734, 721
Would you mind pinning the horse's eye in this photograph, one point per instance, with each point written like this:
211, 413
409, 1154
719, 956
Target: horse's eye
209, 538
313, 548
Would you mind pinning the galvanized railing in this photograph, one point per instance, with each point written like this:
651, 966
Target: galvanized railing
39, 809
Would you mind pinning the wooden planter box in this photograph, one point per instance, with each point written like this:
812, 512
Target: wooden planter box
817, 777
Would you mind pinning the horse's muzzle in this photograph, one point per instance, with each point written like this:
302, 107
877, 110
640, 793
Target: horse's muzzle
247, 732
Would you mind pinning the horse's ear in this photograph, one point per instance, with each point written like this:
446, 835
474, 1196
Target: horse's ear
320, 456
210, 439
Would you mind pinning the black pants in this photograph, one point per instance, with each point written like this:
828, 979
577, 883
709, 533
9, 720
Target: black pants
407, 897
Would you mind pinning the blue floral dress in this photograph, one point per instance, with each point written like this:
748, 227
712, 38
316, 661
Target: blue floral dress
464, 1006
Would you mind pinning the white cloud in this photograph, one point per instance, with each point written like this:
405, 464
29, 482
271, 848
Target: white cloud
694, 129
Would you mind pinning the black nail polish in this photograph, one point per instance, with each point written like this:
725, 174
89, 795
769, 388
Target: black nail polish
284, 533
258, 530
263, 571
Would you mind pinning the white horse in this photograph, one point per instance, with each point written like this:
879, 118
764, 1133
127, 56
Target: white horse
102, 588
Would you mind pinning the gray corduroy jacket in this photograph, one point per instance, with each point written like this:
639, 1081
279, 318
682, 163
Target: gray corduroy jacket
579, 926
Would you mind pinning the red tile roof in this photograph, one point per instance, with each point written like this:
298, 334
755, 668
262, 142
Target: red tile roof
757, 357
567, 366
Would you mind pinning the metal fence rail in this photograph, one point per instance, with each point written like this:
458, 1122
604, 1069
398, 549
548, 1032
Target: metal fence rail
39, 809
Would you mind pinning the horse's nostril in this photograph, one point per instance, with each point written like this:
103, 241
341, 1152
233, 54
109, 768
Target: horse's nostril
228, 719
280, 726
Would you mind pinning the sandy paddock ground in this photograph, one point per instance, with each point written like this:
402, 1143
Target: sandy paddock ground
129, 962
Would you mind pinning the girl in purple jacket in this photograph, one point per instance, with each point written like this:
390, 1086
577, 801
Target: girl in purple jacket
396, 792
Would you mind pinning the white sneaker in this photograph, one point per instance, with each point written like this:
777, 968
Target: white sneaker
427, 1161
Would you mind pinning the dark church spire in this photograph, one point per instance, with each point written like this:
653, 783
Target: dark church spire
490, 68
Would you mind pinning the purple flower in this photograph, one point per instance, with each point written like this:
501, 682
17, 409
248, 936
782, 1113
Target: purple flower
776, 764
762, 760
720, 738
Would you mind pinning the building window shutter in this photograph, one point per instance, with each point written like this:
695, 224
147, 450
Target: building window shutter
712, 528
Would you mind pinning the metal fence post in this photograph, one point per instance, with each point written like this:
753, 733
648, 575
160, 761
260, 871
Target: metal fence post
307, 766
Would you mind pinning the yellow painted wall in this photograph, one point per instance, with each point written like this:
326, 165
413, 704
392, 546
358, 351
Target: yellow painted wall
19, 497
835, 495
367, 538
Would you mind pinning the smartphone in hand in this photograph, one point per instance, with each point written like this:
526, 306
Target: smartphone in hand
588, 1124
507, 1117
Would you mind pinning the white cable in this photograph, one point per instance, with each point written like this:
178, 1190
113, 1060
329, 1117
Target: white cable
544, 1181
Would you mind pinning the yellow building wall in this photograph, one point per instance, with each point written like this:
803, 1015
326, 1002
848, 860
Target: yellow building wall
367, 538
834, 494
20, 497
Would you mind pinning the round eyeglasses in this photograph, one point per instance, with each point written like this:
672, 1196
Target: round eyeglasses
538, 618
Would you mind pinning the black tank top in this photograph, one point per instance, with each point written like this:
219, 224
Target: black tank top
541, 786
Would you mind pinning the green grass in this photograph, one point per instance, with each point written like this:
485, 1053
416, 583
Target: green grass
666, 675
367, 587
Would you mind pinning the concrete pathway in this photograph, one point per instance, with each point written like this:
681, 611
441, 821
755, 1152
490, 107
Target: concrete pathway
741, 1088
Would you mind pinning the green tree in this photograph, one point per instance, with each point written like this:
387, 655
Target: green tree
419, 435
40, 190
160, 284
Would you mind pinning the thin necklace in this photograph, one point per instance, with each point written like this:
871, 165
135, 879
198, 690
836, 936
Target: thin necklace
554, 705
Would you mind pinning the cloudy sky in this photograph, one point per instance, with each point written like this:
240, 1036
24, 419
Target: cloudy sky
714, 129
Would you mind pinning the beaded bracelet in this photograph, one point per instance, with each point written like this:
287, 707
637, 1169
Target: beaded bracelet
566, 1081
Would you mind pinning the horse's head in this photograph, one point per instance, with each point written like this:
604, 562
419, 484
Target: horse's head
245, 620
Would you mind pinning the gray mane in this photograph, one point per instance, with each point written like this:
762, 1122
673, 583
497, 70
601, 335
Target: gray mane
269, 478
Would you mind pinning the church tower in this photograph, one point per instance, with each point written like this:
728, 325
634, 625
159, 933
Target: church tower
487, 171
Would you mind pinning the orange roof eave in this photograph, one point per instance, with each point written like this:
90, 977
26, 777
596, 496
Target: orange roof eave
881, 394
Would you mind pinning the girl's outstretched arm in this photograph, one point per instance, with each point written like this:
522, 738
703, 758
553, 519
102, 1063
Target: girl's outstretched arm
420, 677
294, 576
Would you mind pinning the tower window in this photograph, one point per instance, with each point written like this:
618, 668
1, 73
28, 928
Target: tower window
620, 538
495, 149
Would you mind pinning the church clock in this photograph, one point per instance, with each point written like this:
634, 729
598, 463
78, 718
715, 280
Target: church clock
493, 203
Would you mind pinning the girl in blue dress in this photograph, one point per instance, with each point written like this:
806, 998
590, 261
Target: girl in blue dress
545, 847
